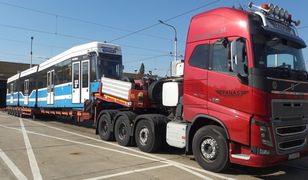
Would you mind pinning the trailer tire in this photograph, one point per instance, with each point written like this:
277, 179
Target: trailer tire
104, 128
122, 131
146, 139
210, 148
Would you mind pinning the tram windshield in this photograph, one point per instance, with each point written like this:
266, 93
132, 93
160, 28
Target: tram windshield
109, 65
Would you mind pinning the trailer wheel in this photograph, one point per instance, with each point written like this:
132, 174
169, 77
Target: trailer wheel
210, 148
122, 131
104, 128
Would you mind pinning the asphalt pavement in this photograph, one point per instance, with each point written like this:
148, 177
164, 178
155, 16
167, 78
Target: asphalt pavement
59, 149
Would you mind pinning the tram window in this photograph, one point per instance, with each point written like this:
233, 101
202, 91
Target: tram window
58, 75
93, 59
67, 72
76, 76
12, 88
85, 74
42, 79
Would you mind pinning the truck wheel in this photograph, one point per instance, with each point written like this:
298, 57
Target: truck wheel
122, 131
146, 139
210, 148
104, 128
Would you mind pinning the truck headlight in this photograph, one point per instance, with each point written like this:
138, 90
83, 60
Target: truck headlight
266, 137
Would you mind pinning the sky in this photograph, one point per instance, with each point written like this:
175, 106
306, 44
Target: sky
58, 25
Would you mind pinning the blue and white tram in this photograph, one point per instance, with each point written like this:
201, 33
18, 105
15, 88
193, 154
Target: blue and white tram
68, 79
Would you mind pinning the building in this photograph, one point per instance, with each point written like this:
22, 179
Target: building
8, 69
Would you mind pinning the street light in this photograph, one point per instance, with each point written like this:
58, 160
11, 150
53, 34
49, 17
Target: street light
31, 51
175, 38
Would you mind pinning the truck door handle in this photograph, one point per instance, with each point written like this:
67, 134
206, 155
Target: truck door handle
215, 100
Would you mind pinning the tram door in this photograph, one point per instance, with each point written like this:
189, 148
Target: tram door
26, 92
50, 87
85, 79
76, 82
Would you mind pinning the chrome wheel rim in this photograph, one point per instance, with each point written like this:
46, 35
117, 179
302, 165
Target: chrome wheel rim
209, 148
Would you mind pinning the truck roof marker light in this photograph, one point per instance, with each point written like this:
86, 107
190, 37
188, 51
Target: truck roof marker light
276, 10
265, 6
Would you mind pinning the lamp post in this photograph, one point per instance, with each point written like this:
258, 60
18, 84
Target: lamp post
31, 52
175, 38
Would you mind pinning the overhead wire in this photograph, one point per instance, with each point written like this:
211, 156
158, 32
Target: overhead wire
93, 23
78, 20
89, 22
165, 20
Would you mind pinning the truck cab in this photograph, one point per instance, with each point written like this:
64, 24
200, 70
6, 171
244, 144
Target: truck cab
245, 73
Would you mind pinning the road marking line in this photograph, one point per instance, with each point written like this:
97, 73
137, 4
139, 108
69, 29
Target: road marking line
157, 158
18, 174
129, 172
33, 163
118, 151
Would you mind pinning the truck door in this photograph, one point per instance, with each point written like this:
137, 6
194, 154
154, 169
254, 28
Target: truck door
76, 82
50, 87
85, 69
196, 77
26, 92
229, 97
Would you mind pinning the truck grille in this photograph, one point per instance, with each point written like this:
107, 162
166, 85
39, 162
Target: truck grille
290, 124
292, 144
291, 130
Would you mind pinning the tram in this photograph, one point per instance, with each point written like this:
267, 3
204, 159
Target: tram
66, 80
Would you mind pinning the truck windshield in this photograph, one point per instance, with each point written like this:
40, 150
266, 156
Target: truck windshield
109, 65
277, 53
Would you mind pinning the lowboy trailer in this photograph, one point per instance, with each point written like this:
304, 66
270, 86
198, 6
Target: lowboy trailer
240, 96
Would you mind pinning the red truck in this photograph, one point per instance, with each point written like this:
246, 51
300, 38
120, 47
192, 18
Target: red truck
241, 97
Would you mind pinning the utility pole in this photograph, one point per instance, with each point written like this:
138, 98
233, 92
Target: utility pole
31, 51
175, 39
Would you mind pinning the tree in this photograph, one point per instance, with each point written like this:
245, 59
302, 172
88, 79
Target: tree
141, 69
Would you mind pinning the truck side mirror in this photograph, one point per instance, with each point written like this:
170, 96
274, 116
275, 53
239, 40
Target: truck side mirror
239, 62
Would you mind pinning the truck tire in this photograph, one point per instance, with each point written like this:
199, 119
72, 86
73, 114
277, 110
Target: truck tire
104, 128
210, 148
122, 131
146, 139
